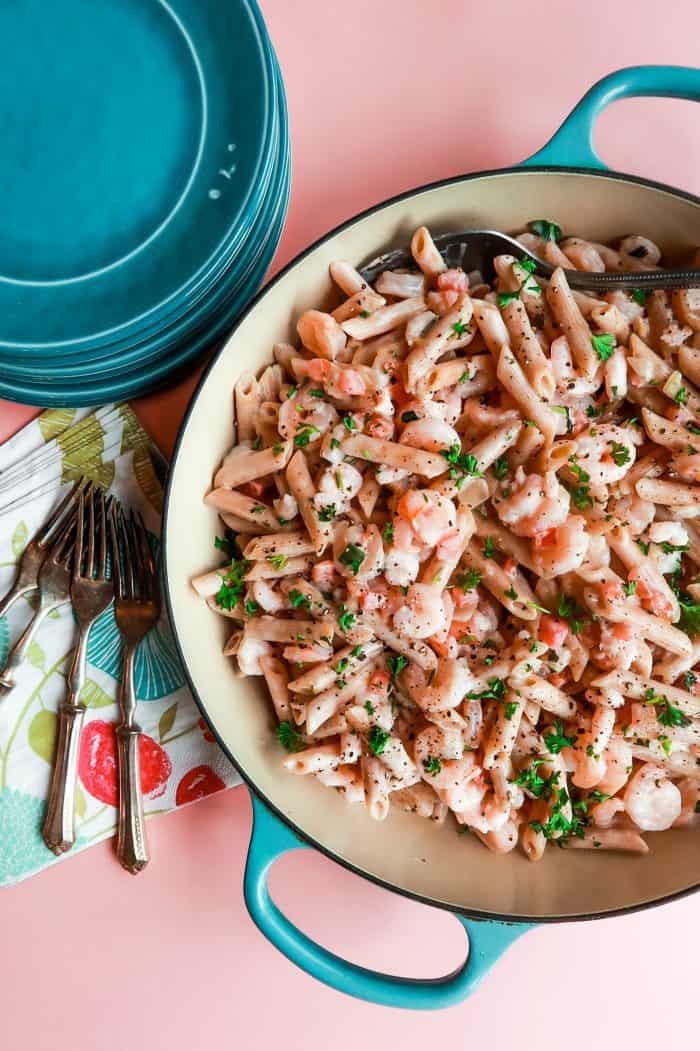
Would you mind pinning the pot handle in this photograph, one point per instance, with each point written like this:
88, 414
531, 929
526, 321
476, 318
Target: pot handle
572, 145
270, 839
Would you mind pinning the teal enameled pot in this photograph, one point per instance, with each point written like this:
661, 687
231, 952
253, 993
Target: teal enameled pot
496, 898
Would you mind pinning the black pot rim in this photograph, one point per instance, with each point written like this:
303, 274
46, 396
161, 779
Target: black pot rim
475, 914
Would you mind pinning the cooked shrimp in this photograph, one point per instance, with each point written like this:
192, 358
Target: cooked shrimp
606, 453
446, 689
248, 655
561, 549
337, 487
424, 613
535, 505
267, 597
652, 801
431, 515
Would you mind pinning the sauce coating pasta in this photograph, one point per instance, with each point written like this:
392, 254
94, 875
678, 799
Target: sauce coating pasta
461, 547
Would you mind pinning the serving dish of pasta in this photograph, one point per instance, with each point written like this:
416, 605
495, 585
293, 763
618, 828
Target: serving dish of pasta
451, 621
462, 527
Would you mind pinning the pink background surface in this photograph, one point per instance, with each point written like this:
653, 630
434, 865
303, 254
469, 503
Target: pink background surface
383, 97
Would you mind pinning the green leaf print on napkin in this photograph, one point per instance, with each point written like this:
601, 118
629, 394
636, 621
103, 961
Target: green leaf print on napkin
80, 804
36, 656
93, 696
54, 421
167, 721
146, 478
43, 730
19, 539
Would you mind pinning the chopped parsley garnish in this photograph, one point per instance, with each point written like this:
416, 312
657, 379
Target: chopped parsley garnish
257, 442
364, 313
277, 449
232, 585
511, 593
409, 417
459, 328
352, 557
569, 610
335, 444
690, 616
603, 345
348, 423
495, 691
298, 599
289, 738
469, 580
666, 743
556, 739
432, 765
500, 467
369, 707
278, 561
564, 411
689, 680
620, 453
666, 713
640, 295
546, 229
598, 797
681, 396
466, 463
292, 392
341, 665
388, 532
259, 509
358, 653
228, 545
558, 823
251, 607
377, 739
533, 605
670, 549
504, 298
304, 436
510, 709
630, 587
465, 377
532, 781
592, 412
489, 548
316, 393
527, 264
327, 513
644, 546
396, 665
346, 619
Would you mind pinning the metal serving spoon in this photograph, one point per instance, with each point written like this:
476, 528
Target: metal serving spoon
476, 249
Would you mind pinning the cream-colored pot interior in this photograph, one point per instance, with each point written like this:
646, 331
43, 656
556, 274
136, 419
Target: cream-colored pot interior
407, 852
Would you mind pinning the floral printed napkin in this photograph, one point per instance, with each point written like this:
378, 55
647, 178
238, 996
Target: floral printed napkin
180, 762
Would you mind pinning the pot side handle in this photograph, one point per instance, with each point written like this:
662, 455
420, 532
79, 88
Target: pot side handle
572, 145
270, 839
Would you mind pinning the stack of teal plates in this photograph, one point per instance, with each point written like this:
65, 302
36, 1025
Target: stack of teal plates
144, 182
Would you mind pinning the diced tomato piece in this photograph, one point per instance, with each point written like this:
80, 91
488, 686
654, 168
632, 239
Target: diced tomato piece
553, 632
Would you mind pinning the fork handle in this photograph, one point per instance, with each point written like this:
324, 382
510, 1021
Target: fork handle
132, 849
15, 593
59, 824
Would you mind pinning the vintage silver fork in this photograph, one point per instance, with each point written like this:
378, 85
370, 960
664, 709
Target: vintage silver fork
27, 578
91, 593
54, 589
137, 608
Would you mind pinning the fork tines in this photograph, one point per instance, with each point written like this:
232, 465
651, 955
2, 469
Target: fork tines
134, 567
93, 501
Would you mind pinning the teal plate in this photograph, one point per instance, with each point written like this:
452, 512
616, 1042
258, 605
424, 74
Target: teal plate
110, 360
134, 134
224, 304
